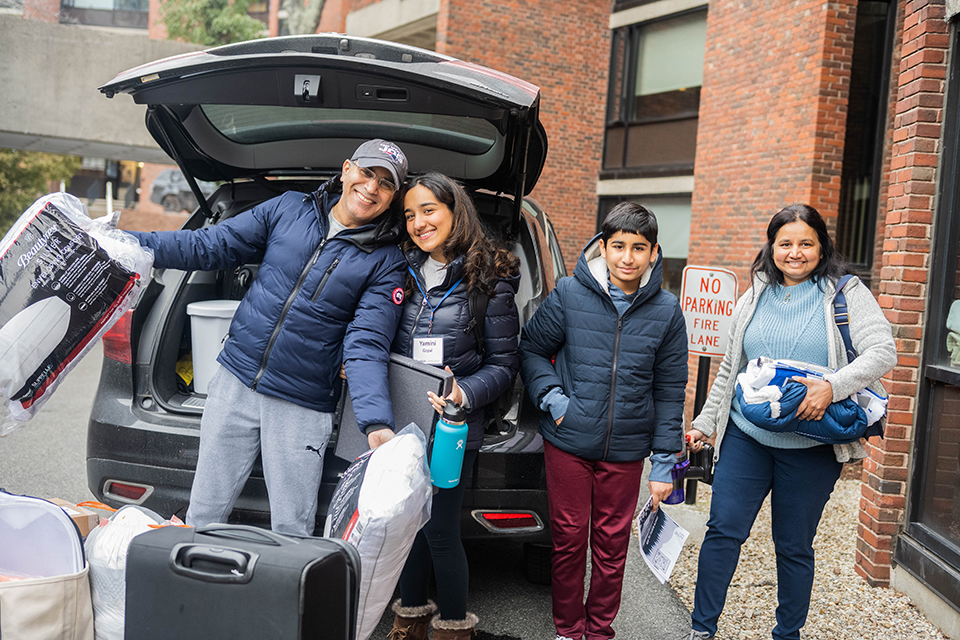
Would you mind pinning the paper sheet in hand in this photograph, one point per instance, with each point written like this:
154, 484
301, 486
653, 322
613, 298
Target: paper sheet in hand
661, 540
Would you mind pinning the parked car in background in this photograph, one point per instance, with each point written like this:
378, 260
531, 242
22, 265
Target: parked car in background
172, 190
270, 115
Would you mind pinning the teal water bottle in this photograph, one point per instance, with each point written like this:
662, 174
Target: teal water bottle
449, 444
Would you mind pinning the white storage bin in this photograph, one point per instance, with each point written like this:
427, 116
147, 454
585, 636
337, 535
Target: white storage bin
209, 324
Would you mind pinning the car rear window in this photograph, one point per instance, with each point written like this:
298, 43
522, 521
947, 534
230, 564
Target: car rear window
253, 124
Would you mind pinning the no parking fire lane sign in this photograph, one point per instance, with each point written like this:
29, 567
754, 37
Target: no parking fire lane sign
708, 296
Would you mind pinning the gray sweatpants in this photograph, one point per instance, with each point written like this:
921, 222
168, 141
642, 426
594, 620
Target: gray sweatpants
237, 424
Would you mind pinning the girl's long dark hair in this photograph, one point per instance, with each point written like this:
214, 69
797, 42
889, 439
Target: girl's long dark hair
484, 262
831, 266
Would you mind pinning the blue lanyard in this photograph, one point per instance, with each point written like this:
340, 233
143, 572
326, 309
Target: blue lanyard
426, 298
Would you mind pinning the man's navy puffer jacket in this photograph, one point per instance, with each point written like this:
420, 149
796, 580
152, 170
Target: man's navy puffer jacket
313, 304
482, 379
625, 376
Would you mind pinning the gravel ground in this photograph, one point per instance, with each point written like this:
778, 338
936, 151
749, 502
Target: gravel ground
843, 605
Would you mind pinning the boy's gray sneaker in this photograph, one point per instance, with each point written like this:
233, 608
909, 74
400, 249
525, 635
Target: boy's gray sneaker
697, 635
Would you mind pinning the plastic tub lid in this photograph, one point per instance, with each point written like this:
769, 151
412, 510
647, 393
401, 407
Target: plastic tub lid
213, 308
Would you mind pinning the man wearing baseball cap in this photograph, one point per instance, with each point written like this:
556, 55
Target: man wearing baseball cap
328, 291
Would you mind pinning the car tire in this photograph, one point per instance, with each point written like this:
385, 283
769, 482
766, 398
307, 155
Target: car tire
171, 203
536, 562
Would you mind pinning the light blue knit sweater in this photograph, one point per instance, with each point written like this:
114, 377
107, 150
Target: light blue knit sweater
788, 324
869, 331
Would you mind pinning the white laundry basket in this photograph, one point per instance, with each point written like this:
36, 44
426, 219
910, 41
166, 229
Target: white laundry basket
209, 324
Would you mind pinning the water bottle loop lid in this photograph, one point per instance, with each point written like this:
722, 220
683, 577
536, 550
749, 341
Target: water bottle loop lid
453, 413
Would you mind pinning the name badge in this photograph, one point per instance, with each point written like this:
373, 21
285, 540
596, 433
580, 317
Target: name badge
428, 350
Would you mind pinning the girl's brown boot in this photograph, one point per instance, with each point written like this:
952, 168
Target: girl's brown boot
411, 623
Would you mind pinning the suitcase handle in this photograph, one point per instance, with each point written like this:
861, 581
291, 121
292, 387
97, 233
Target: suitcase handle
244, 532
213, 564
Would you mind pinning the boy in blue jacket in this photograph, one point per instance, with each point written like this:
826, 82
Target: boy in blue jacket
613, 397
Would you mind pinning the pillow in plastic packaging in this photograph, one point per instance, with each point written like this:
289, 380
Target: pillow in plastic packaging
106, 550
65, 279
380, 503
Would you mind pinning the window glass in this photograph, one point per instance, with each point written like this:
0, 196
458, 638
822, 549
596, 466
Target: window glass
670, 54
92, 4
864, 138
251, 124
656, 70
949, 352
941, 498
662, 143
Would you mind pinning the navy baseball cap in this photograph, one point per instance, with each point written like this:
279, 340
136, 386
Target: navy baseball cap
382, 153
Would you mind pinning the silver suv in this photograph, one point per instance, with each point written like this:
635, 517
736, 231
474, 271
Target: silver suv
172, 190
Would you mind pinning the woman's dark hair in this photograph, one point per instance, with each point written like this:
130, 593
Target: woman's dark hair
483, 262
831, 265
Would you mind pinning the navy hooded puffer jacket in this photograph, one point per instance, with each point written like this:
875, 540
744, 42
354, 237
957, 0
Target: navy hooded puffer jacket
625, 375
314, 303
481, 378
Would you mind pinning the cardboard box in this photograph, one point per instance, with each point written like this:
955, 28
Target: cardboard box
86, 519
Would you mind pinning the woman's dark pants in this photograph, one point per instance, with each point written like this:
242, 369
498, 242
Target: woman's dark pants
438, 544
800, 482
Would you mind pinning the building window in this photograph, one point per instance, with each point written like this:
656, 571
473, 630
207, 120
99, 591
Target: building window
106, 13
866, 130
656, 70
673, 231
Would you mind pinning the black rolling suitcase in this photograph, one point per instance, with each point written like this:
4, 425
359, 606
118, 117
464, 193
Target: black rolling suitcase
236, 582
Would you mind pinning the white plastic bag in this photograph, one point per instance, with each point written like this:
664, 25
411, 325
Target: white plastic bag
380, 503
64, 281
106, 549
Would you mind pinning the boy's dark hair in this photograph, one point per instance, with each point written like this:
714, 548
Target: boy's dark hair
630, 217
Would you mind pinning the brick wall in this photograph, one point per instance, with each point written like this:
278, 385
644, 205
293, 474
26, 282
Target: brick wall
42, 10
562, 46
772, 121
906, 253
771, 129
156, 29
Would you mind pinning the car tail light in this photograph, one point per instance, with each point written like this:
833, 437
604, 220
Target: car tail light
117, 341
129, 492
508, 521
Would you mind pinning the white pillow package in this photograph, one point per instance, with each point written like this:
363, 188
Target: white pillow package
381, 502
65, 279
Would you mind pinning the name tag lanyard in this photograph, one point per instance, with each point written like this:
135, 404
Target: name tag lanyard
426, 298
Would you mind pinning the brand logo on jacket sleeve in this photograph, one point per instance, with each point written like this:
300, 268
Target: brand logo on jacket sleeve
397, 296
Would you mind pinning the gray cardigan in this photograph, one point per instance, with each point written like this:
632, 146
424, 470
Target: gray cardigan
869, 332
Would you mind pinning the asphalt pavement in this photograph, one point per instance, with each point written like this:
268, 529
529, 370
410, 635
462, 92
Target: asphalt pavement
46, 458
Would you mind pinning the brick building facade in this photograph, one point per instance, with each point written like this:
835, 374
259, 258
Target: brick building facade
784, 102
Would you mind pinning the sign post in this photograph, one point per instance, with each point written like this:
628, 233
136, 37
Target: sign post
708, 296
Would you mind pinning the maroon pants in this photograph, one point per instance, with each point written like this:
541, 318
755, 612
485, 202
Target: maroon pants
595, 500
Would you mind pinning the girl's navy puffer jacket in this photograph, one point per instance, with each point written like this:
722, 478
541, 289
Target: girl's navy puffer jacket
625, 375
481, 378
314, 303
